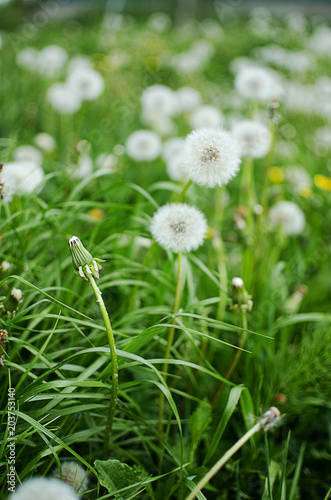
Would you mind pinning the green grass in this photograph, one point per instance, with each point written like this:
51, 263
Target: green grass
57, 356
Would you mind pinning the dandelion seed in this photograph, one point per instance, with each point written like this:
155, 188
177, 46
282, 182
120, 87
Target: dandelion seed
179, 227
253, 138
258, 83
289, 216
45, 142
143, 145
159, 99
42, 488
211, 157
51, 60
87, 82
63, 98
19, 176
188, 98
206, 116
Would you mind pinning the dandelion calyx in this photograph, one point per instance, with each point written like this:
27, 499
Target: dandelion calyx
82, 260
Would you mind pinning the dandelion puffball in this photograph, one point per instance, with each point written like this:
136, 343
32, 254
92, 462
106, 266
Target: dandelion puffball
253, 138
211, 157
42, 488
74, 475
143, 145
289, 216
179, 227
257, 83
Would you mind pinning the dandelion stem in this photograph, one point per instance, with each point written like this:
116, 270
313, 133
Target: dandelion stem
114, 366
236, 357
169, 343
183, 192
222, 461
264, 198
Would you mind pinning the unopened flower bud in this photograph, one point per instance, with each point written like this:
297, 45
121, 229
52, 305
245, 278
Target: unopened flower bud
82, 260
3, 341
14, 299
241, 300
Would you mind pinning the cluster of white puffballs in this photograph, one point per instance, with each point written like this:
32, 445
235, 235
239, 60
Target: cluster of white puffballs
83, 82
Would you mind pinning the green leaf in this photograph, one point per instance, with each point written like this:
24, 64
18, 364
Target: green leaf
234, 396
118, 477
198, 424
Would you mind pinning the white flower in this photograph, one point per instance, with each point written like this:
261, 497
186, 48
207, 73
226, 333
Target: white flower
27, 58
42, 488
188, 98
179, 227
45, 142
320, 41
78, 63
162, 124
257, 83
299, 179
51, 60
159, 22
211, 157
143, 145
159, 99
63, 98
212, 29
106, 161
173, 147
87, 82
253, 138
206, 116
74, 475
28, 153
83, 168
175, 168
22, 176
289, 216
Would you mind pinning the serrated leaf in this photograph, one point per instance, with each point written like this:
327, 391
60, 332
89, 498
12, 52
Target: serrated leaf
117, 476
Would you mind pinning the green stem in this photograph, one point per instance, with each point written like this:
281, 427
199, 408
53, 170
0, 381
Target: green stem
222, 461
114, 366
169, 344
182, 194
264, 198
236, 357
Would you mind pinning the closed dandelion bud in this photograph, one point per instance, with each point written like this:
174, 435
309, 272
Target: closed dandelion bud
14, 299
82, 260
3, 341
4, 268
241, 300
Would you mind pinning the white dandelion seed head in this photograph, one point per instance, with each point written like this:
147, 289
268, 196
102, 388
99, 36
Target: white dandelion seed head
237, 282
289, 216
20, 176
78, 63
51, 60
173, 147
188, 98
63, 98
87, 82
161, 124
206, 116
83, 168
211, 157
179, 227
28, 153
143, 145
42, 488
258, 83
159, 22
320, 41
106, 161
45, 142
186, 62
253, 138
74, 475
27, 58
298, 178
212, 29
175, 168
159, 99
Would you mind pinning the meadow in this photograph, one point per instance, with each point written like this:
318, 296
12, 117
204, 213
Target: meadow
194, 161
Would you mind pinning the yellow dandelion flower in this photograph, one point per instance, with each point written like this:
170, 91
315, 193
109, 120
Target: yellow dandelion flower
276, 175
96, 213
322, 182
